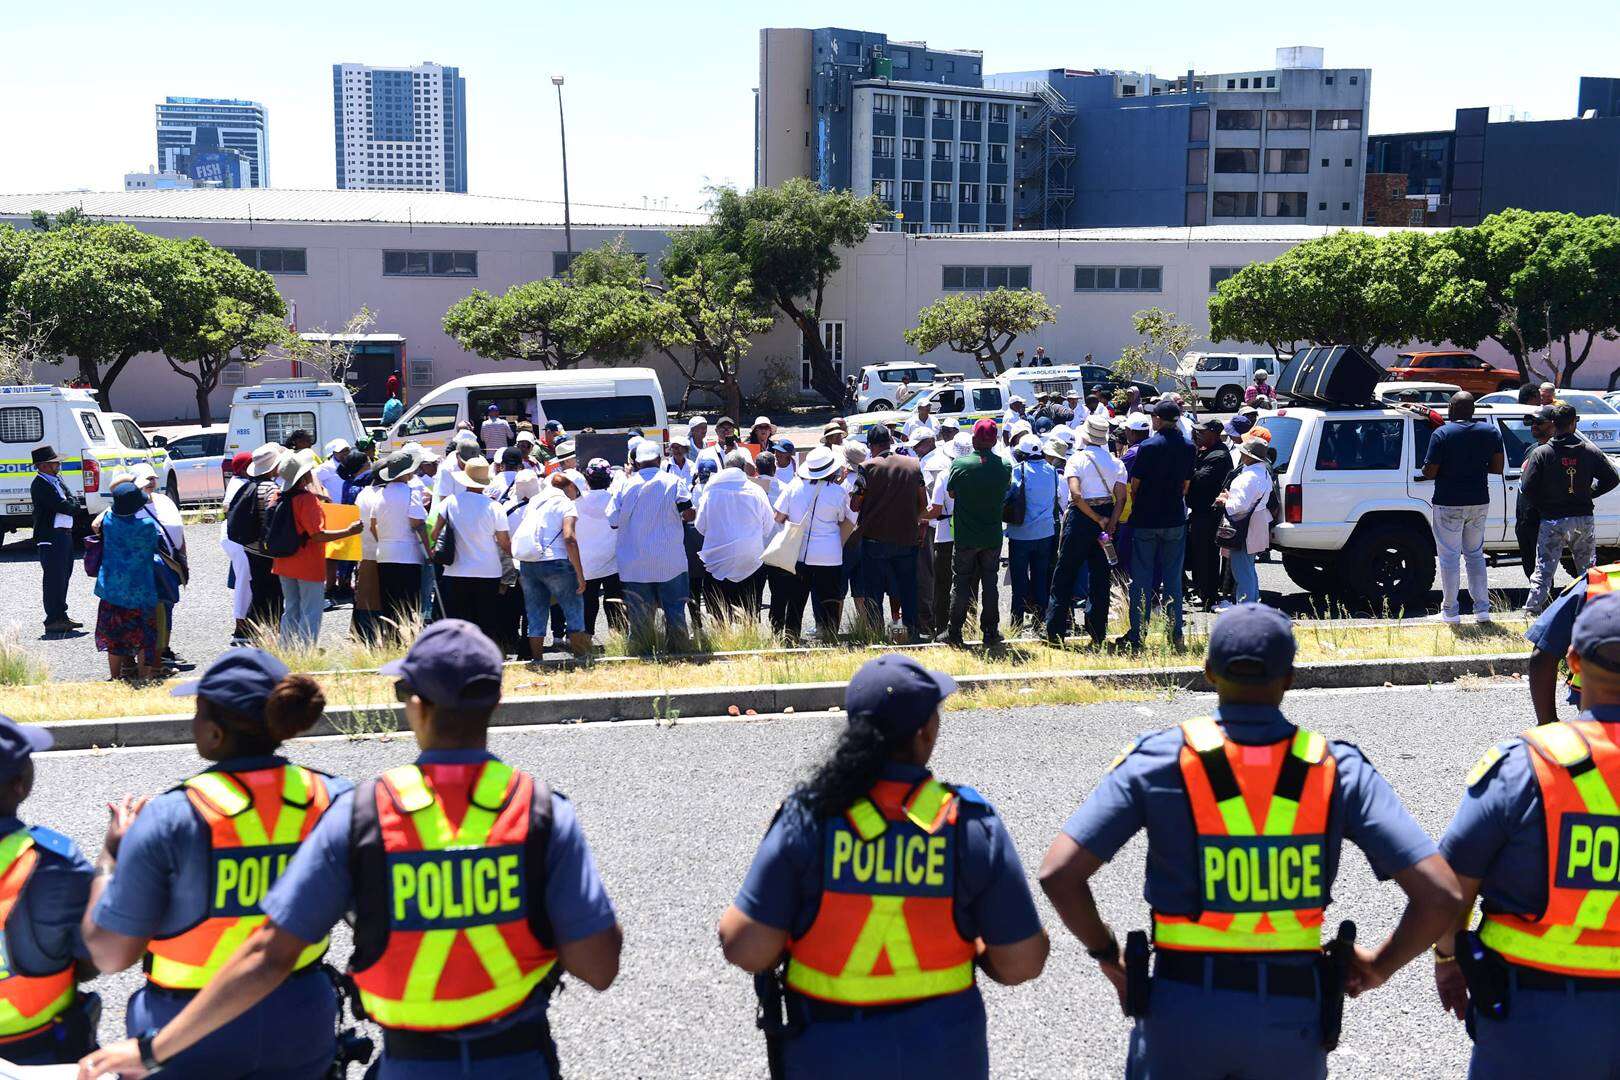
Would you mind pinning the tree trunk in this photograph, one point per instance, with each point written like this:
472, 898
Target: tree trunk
731, 390
205, 411
89, 374
111, 377
823, 379
1572, 362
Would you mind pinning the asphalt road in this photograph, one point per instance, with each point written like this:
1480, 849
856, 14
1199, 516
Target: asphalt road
674, 815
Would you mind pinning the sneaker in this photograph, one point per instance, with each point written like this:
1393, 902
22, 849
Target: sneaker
1221, 605
953, 639
1450, 620
1482, 616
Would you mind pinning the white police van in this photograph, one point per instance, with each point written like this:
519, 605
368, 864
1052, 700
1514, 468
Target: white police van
93, 445
274, 409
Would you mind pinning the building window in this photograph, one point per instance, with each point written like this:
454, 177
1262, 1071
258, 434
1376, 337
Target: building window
1288, 119
1271, 82
915, 106
911, 149
1327, 80
1285, 204
1338, 120
998, 194
1118, 278
1344, 206
939, 226
972, 110
901, 58
978, 278
884, 189
1321, 206
911, 191
832, 339
970, 151
1324, 163
273, 260
883, 146
1218, 274
998, 153
1414, 216
883, 104
1237, 120
1198, 165
998, 113
1354, 79
430, 264
942, 150
941, 191
968, 193
1288, 161
1244, 204
1196, 214
1349, 163
942, 108
1236, 160
1198, 125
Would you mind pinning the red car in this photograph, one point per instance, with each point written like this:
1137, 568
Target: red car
1462, 369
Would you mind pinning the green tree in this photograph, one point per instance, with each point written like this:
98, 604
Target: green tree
232, 313
717, 318
1569, 290
1256, 304
43, 221
787, 241
982, 325
1157, 356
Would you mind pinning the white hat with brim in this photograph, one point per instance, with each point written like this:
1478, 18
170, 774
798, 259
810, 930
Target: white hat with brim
1056, 447
923, 433
336, 446
294, 467
265, 460
820, 463
947, 423
525, 437
474, 474
1255, 449
1096, 433
143, 474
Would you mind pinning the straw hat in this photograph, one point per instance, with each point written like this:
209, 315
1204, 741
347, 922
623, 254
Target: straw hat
1096, 433
475, 474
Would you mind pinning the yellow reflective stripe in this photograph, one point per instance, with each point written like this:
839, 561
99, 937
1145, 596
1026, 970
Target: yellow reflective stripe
1512, 942
12, 849
1203, 734
458, 1013
226, 794
884, 930
295, 797
1594, 791
866, 819
925, 806
1195, 936
1309, 746
866, 989
1561, 742
13, 1022
428, 964
176, 975
410, 786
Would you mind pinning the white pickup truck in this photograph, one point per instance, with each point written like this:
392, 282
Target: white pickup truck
1357, 511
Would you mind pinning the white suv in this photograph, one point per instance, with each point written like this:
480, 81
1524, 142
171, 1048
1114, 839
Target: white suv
879, 383
1357, 511
1219, 379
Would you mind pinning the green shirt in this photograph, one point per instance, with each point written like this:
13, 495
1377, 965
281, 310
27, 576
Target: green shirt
979, 481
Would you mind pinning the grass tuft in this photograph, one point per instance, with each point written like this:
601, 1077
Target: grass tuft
19, 665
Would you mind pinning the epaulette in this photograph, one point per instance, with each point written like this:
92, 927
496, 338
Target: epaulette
1130, 748
53, 841
1487, 764
970, 796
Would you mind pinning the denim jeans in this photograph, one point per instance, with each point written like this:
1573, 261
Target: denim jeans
301, 605
1080, 556
547, 583
1157, 556
888, 569
1459, 533
1577, 534
1245, 577
641, 597
1029, 562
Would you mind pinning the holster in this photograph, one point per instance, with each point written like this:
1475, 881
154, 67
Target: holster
1486, 974
772, 1018
1333, 970
76, 1028
1136, 974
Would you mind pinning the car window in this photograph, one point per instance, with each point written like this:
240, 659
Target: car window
1359, 445
924, 375
601, 413
1216, 363
130, 435
891, 376
1589, 404
1421, 430
1284, 434
215, 444
1517, 442
189, 447
948, 400
429, 419
987, 397
1498, 398
279, 426
92, 427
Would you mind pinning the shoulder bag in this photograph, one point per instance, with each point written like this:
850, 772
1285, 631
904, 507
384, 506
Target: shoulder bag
444, 544
786, 548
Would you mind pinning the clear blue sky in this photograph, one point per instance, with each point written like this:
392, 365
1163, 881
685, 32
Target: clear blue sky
659, 94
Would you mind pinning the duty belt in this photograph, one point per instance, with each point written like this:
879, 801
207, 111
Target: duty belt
1236, 973
828, 1012
419, 1046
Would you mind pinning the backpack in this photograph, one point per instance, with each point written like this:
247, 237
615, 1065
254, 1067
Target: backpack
1015, 505
281, 536
243, 523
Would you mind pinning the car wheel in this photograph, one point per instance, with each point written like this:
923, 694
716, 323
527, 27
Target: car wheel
1229, 400
879, 406
172, 489
1387, 569
1314, 577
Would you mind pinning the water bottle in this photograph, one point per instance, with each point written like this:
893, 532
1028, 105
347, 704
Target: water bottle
1107, 543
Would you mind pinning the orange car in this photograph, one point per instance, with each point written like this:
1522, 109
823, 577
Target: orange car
1462, 369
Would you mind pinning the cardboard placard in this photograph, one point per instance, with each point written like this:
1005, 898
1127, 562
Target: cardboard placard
341, 516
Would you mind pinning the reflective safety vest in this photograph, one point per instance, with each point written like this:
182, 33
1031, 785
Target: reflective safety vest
1599, 580
1578, 933
450, 928
1260, 889
27, 1002
256, 820
885, 931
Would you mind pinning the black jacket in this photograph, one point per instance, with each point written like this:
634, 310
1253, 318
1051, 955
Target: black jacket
48, 502
1211, 470
1563, 478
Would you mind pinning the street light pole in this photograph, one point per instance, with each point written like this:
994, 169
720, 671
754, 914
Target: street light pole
562, 131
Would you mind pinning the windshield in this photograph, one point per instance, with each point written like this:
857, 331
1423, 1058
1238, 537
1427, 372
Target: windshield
1217, 363
1284, 434
1588, 404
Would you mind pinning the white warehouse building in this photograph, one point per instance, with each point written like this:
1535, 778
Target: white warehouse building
409, 256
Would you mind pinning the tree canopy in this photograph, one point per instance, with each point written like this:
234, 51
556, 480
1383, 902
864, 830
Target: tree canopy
232, 314
982, 325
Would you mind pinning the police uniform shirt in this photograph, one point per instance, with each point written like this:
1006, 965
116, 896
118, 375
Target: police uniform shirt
1146, 790
993, 902
1553, 628
42, 932
1499, 834
316, 890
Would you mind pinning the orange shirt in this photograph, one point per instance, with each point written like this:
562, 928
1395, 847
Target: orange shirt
309, 564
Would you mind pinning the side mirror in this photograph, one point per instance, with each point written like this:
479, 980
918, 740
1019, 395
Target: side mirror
160, 440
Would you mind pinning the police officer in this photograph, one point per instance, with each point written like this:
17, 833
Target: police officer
885, 888
1241, 808
1542, 985
1550, 636
181, 876
44, 886
471, 884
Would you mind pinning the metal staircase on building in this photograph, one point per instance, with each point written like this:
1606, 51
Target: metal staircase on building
1045, 157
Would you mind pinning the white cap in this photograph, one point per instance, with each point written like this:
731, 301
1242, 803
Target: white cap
963, 443
526, 485
336, 446
143, 474
1137, 421
1016, 400
947, 423
1029, 446
424, 454
923, 433
525, 437
647, 452
764, 421
1064, 435
465, 438
697, 421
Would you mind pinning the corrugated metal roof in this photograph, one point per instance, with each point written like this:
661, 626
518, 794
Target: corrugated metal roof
1197, 234
289, 204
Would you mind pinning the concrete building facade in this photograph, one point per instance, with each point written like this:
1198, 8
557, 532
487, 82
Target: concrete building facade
400, 128
218, 140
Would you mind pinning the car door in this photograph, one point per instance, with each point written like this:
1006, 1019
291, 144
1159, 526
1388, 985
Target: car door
987, 402
189, 456
1517, 442
1498, 519
1356, 460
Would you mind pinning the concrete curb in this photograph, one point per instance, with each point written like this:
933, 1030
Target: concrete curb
799, 697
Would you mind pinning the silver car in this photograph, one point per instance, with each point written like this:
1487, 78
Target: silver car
197, 455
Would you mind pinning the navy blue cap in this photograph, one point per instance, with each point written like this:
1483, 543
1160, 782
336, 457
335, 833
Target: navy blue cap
1167, 409
783, 446
1239, 426
1252, 634
896, 694
1598, 625
241, 680
17, 742
453, 664
707, 466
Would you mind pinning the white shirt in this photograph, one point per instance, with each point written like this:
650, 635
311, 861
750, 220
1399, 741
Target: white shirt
1098, 471
652, 538
683, 470
392, 513
714, 454
947, 506
539, 538
735, 519
598, 547
365, 501
786, 473
1184, 425
445, 483
1248, 493
823, 505
499, 485
916, 425
476, 520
